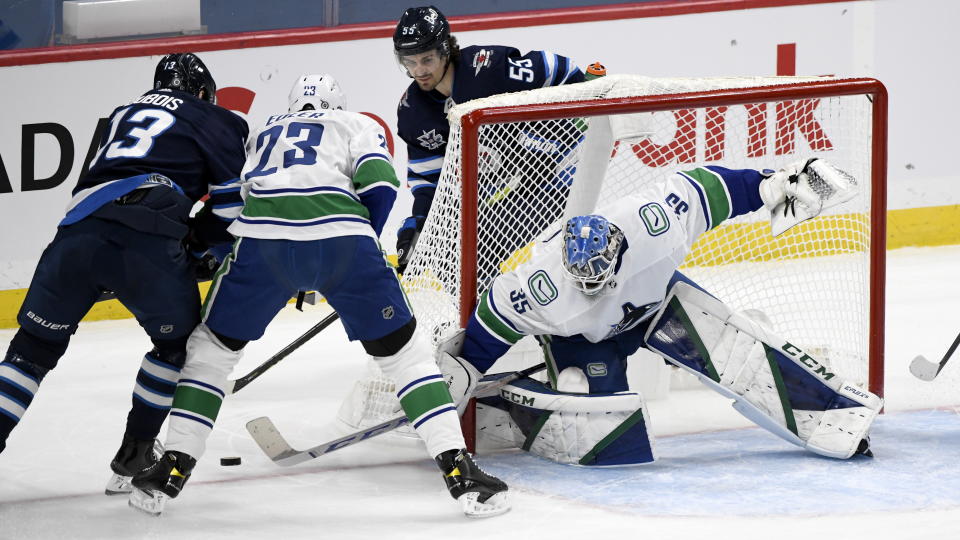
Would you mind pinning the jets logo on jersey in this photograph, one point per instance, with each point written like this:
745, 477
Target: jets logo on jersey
481, 59
431, 140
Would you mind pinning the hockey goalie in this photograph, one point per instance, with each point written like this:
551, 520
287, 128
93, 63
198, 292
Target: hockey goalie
607, 284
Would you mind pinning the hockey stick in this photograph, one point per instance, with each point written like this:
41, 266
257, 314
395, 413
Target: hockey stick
237, 384
277, 449
926, 370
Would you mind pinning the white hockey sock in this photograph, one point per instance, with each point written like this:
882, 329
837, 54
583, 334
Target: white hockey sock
424, 396
200, 392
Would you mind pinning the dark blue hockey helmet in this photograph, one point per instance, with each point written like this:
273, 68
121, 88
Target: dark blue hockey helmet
591, 245
422, 29
185, 72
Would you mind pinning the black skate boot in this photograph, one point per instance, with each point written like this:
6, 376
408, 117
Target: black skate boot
163, 480
480, 494
133, 456
863, 448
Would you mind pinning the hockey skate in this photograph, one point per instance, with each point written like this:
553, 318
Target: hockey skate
480, 494
863, 449
132, 457
162, 481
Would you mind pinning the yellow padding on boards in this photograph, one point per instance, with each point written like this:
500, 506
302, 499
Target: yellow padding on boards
752, 242
931, 226
108, 310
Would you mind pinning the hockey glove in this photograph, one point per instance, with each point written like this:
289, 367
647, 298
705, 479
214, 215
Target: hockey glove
205, 266
407, 240
803, 189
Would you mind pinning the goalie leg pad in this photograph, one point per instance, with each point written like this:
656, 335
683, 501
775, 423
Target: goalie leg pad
423, 395
773, 382
576, 429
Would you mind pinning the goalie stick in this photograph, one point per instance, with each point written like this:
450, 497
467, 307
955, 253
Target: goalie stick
926, 370
266, 435
237, 384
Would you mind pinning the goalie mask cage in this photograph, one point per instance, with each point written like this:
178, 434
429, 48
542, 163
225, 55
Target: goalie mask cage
518, 164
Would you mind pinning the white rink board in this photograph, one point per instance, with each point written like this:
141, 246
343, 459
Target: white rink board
899, 42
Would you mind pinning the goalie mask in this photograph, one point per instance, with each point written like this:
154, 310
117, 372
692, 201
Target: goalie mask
421, 30
591, 245
316, 92
185, 72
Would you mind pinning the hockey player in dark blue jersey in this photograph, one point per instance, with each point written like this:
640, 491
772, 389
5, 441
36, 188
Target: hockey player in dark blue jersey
444, 75
127, 230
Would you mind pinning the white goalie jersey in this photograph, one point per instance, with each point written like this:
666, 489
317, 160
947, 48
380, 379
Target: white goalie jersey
331, 169
660, 225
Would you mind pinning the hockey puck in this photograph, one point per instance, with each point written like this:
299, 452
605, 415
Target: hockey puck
229, 461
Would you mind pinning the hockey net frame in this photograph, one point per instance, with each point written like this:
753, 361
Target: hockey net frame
469, 123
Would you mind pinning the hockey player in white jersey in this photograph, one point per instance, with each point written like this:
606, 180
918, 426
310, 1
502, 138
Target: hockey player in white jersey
607, 284
318, 185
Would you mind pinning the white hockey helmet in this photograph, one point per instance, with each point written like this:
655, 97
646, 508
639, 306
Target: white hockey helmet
321, 92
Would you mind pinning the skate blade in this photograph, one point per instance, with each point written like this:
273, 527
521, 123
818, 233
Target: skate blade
118, 485
494, 506
148, 503
122, 485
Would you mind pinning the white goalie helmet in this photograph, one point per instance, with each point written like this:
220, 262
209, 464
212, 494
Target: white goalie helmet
591, 248
321, 92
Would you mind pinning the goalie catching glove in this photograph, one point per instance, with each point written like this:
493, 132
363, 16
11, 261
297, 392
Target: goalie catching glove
803, 189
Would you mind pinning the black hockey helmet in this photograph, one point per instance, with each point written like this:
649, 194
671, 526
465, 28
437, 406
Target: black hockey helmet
422, 29
185, 71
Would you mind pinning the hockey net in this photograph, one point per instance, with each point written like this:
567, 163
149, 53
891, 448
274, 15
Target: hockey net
517, 164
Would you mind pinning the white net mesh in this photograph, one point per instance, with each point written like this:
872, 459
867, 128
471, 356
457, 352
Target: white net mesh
812, 282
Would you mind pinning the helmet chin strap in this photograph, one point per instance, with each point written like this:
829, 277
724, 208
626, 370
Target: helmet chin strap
445, 68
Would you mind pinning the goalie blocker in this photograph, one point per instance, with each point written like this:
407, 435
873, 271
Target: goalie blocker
772, 381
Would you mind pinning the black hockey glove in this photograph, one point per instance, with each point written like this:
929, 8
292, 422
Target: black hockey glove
407, 240
205, 267
202, 260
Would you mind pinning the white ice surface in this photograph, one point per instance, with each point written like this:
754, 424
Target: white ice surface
717, 477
